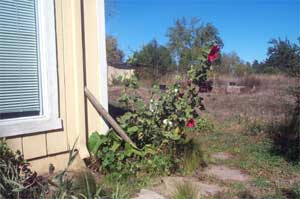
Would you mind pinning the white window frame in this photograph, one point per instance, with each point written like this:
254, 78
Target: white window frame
49, 120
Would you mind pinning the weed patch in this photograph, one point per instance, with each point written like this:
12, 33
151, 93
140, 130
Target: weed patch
252, 153
193, 157
185, 191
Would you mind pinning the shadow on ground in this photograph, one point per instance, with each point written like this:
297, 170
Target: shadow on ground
286, 137
116, 111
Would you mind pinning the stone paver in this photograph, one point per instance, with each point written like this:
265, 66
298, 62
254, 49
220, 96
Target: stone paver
222, 156
225, 173
168, 188
148, 194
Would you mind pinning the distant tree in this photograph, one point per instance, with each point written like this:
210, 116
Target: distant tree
155, 58
260, 67
186, 39
242, 69
227, 62
248, 64
231, 63
114, 54
255, 65
283, 55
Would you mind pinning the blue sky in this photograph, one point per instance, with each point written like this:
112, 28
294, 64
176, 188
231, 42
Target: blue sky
245, 26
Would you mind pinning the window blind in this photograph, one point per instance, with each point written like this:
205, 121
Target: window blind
19, 58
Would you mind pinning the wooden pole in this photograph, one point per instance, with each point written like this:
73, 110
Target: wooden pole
101, 110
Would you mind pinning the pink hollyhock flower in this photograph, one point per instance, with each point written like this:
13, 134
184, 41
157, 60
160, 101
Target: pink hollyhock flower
190, 123
188, 82
214, 53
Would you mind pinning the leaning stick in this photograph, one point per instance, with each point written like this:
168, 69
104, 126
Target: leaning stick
107, 117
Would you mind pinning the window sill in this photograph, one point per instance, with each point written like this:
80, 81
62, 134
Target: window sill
15, 127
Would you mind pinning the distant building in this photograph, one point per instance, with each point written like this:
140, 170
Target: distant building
116, 70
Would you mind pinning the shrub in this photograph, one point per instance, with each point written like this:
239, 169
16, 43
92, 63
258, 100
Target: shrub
117, 81
77, 185
114, 155
205, 125
159, 128
16, 179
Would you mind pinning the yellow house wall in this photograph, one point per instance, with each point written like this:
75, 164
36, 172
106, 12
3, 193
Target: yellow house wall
78, 65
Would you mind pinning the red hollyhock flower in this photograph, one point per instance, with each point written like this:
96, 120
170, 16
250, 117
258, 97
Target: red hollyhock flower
188, 82
190, 123
214, 53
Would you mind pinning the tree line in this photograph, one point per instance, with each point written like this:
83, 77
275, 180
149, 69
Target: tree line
186, 38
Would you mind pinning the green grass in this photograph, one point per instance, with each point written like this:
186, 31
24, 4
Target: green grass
261, 182
123, 187
120, 192
193, 157
253, 154
185, 191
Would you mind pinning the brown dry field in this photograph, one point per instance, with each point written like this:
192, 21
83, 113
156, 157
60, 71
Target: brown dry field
268, 101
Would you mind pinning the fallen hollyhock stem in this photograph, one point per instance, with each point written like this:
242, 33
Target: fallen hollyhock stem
107, 117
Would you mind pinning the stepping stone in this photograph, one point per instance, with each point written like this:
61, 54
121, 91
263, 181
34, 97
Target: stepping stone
202, 189
224, 173
147, 194
222, 156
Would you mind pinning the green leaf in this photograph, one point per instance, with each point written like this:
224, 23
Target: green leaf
95, 141
129, 150
172, 136
120, 78
132, 129
115, 146
150, 149
140, 105
177, 131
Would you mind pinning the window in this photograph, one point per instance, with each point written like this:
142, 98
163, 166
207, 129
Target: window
28, 68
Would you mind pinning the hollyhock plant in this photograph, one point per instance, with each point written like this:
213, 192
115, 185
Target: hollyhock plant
190, 123
181, 94
214, 53
188, 82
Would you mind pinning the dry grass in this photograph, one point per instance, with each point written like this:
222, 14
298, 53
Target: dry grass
269, 101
